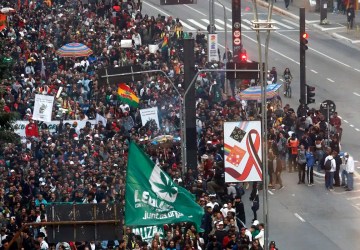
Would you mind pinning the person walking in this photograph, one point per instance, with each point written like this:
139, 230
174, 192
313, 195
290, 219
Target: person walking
287, 2
348, 172
301, 161
254, 198
310, 162
350, 12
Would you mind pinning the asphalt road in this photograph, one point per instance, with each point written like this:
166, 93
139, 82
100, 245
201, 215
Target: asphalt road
301, 217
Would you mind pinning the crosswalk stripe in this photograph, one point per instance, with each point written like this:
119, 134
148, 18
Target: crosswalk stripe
222, 22
207, 22
291, 22
187, 26
242, 25
248, 22
197, 24
284, 25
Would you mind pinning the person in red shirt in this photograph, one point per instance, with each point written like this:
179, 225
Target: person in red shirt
293, 144
336, 122
31, 129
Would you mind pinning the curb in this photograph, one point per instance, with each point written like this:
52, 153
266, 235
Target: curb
338, 36
278, 10
318, 174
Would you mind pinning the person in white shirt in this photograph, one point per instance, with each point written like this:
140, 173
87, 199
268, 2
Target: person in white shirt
348, 172
261, 235
43, 244
329, 174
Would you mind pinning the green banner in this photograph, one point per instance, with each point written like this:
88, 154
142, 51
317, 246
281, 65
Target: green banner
148, 233
152, 198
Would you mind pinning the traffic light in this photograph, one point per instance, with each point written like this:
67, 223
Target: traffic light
304, 41
243, 56
310, 94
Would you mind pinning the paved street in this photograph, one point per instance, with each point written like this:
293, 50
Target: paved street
301, 217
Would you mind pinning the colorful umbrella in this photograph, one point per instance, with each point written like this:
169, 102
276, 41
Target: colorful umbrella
74, 50
164, 140
7, 10
254, 93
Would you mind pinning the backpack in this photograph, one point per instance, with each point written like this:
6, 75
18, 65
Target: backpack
327, 165
301, 158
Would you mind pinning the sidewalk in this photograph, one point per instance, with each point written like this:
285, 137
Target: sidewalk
336, 22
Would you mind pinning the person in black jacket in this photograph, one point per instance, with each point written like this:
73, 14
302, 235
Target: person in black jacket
350, 12
254, 197
28, 241
240, 210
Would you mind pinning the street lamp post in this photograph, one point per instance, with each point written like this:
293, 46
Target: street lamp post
226, 87
264, 25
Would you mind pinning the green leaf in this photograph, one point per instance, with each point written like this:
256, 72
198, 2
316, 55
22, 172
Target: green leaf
163, 178
161, 186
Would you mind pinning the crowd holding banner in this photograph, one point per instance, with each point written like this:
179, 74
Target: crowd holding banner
80, 154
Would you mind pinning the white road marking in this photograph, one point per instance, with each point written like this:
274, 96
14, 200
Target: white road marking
345, 121
222, 23
312, 21
330, 80
358, 70
187, 26
314, 71
291, 22
356, 207
320, 53
351, 125
270, 192
357, 129
227, 8
299, 217
208, 22
197, 24
353, 198
284, 25
194, 9
357, 94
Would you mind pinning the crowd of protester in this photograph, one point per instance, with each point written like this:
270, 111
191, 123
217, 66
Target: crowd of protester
88, 164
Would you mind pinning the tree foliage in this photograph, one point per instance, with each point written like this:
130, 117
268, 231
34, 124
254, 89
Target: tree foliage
7, 134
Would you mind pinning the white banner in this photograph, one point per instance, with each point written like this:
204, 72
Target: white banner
19, 126
148, 233
149, 114
213, 48
242, 151
126, 43
43, 108
100, 118
153, 48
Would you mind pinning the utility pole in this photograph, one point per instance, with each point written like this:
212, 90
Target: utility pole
303, 48
211, 17
236, 30
189, 114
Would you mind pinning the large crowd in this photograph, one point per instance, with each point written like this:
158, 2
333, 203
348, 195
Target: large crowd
88, 164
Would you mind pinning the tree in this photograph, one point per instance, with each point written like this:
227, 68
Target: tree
7, 119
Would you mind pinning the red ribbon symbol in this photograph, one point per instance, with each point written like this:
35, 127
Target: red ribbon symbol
254, 160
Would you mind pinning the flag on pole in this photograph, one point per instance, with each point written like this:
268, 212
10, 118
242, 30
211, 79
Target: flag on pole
152, 198
127, 95
2, 21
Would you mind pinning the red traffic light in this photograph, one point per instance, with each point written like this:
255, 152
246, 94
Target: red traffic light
243, 57
305, 35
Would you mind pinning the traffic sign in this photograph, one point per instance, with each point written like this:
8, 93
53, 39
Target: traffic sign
173, 2
327, 107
